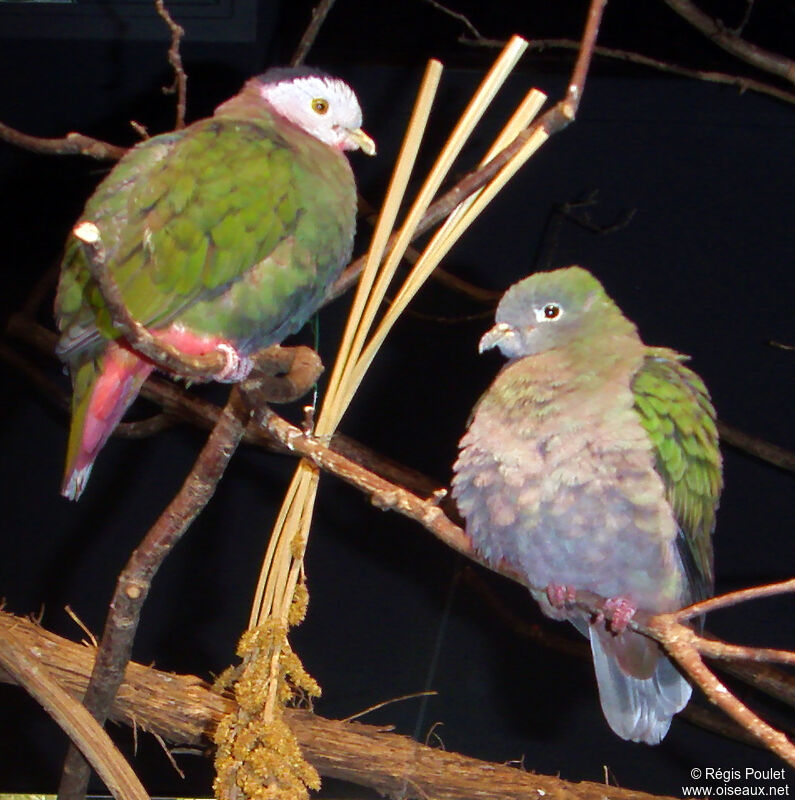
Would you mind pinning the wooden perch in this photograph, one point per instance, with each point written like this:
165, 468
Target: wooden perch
185, 710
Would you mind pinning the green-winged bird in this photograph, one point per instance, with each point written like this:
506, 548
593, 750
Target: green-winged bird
225, 235
592, 463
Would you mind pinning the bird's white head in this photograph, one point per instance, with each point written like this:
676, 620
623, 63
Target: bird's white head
320, 104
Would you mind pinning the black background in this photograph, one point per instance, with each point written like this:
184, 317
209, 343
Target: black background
704, 265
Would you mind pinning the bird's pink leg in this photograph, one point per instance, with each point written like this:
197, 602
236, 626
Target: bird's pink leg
621, 609
560, 596
237, 366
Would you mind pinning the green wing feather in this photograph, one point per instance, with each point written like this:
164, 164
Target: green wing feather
182, 216
676, 411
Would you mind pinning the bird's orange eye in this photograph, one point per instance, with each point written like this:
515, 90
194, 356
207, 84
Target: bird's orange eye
551, 311
320, 105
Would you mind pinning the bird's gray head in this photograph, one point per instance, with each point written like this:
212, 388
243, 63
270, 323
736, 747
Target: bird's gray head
551, 309
320, 104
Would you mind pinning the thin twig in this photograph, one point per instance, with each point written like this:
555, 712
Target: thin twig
462, 18
319, 13
71, 144
369, 709
765, 678
740, 27
735, 598
383, 494
753, 445
180, 85
723, 37
728, 39
545, 634
741, 82
723, 650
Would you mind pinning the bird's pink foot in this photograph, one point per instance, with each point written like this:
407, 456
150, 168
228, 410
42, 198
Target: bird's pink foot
560, 596
237, 367
621, 610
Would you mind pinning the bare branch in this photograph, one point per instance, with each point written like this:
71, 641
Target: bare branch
731, 42
741, 82
462, 18
142, 429
734, 598
682, 644
319, 13
180, 85
753, 445
71, 144
440, 274
728, 39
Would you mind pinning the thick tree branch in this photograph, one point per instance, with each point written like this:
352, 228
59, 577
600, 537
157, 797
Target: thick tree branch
183, 709
23, 664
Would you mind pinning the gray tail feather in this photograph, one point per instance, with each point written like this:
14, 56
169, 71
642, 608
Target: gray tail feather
638, 709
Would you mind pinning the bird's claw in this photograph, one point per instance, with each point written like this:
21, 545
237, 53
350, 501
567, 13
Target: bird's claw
560, 596
621, 610
236, 368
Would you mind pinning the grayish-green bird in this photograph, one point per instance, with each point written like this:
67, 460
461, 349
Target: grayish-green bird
223, 236
592, 463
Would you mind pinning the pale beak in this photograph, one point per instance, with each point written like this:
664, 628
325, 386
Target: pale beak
358, 138
493, 336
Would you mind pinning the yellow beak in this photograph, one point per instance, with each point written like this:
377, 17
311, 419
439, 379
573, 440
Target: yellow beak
360, 139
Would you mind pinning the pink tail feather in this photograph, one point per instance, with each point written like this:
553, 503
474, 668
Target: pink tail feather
110, 385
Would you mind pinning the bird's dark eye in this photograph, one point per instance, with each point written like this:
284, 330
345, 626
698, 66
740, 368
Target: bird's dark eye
551, 311
320, 105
